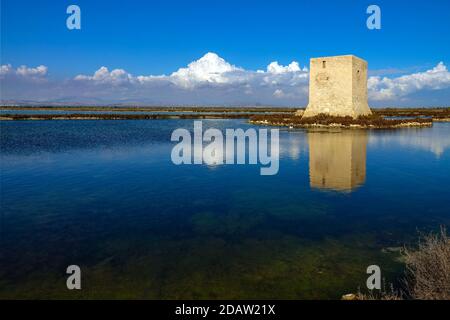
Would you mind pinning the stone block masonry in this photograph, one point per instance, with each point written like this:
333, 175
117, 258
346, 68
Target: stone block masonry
338, 87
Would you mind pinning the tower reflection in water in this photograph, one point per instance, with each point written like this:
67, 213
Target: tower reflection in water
337, 160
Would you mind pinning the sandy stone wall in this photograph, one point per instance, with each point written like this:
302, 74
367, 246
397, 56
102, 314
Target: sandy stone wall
338, 87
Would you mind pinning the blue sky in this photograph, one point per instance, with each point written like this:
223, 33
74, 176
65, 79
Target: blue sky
155, 38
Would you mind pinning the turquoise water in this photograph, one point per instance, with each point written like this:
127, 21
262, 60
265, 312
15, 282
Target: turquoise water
105, 195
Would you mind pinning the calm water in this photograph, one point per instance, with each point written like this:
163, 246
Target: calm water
105, 195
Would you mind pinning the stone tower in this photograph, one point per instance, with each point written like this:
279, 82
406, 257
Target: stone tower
338, 87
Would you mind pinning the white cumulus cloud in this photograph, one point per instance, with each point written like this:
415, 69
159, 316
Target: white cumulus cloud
208, 69
23, 71
103, 75
210, 80
276, 68
396, 88
5, 69
213, 72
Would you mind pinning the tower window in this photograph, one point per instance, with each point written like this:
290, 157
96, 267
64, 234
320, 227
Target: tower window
324, 64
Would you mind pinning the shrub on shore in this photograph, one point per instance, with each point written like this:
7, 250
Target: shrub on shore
428, 268
427, 272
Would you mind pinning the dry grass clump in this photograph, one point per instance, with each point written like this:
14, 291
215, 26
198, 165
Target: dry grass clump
384, 294
428, 268
427, 272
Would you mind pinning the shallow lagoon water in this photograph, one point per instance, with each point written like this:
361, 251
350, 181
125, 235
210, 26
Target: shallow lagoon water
105, 195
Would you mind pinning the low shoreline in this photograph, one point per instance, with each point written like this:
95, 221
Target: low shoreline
174, 109
19, 117
387, 112
388, 118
